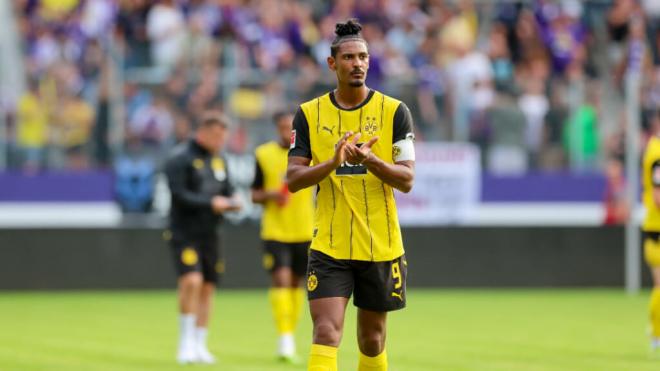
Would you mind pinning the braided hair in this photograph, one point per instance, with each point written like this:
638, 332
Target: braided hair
347, 31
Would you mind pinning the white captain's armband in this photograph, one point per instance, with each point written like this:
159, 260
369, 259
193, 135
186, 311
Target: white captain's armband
404, 150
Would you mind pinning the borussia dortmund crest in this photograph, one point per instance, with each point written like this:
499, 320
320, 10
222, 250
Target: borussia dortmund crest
370, 126
312, 282
189, 256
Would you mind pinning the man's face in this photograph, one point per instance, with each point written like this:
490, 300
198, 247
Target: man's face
212, 138
351, 63
284, 126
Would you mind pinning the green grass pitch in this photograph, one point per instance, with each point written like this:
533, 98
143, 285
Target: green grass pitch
505, 330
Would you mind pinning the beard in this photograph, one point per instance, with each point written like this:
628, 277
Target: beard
356, 83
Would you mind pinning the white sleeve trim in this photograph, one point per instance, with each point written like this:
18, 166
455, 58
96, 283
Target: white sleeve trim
403, 150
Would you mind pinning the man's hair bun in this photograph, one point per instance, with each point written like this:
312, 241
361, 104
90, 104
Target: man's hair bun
351, 28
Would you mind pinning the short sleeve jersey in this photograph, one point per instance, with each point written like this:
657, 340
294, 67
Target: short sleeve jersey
355, 216
287, 223
651, 180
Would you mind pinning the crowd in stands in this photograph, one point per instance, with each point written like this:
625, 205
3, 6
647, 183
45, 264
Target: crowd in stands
534, 84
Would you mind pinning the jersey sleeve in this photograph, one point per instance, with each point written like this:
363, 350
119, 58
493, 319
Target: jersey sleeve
403, 124
300, 145
655, 173
258, 182
229, 189
177, 178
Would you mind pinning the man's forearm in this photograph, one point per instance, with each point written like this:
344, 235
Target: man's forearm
261, 196
301, 176
399, 176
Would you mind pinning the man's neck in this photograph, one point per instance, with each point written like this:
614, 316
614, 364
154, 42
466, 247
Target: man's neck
349, 97
200, 144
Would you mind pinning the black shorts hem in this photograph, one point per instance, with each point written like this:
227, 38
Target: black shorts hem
286, 255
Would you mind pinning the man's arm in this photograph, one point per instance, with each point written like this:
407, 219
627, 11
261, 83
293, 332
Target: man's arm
399, 175
300, 175
228, 200
175, 170
259, 194
655, 179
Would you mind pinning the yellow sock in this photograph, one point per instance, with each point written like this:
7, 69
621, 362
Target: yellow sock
280, 302
322, 358
377, 363
654, 309
298, 300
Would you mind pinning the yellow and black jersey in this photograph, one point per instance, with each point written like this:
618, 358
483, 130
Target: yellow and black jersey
291, 222
356, 216
651, 180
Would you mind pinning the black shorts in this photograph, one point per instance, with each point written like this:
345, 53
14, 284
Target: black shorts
377, 286
198, 255
284, 254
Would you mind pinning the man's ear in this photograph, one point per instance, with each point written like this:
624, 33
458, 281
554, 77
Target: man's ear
331, 63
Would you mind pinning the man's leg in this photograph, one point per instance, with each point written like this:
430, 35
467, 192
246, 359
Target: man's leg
203, 313
281, 300
654, 309
328, 319
189, 290
652, 257
299, 270
379, 288
298, 298
371, 340
212, 267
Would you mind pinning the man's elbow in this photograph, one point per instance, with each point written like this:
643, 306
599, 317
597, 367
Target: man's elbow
292, 182
406, 187
294, 186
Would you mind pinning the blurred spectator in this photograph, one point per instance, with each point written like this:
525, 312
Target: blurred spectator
500, 58
153, 124
134, 179
71, 130
32, 128
562, 32
55, 10
166, 29
617, 209
97, 18
200, 49
534, 105
581, 135
506, 153
101, 129
131, 26
551, 155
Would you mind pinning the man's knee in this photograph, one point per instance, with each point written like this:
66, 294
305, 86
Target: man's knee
327, 333
191, 281
281, 277
371, 341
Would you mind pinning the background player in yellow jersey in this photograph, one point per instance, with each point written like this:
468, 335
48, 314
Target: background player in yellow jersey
651, 228
356, 144
286, 229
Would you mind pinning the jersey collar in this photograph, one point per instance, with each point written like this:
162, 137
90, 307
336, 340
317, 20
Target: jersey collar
364, 102
199, 149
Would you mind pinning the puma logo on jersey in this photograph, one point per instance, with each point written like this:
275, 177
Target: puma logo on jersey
397, 295
329, 130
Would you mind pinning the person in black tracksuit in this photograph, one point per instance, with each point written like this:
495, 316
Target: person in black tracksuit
201, 193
